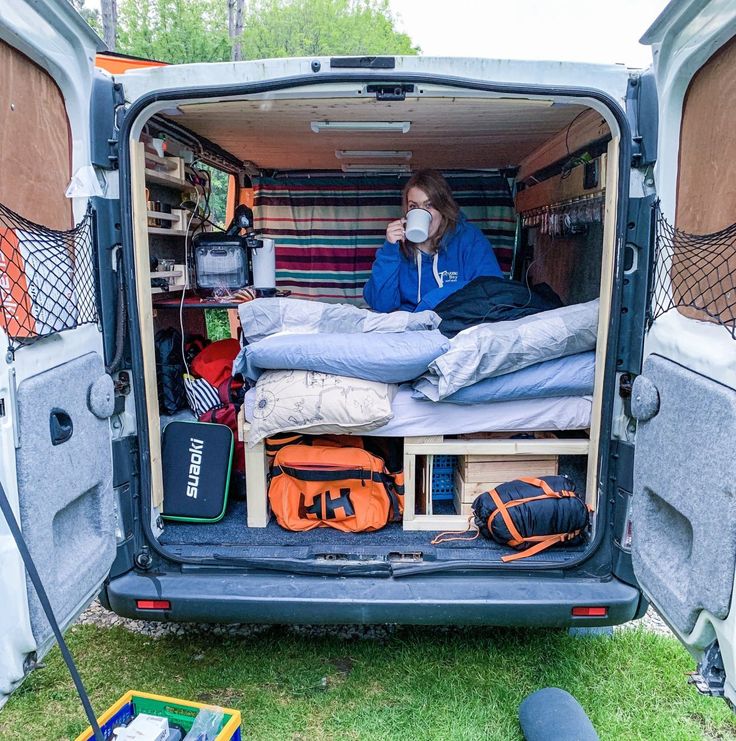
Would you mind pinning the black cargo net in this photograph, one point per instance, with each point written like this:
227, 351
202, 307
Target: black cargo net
695, 274
46, 278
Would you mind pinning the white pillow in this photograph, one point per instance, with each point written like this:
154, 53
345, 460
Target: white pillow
318, 403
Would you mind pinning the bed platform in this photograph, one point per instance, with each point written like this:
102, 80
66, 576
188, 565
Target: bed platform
437, 422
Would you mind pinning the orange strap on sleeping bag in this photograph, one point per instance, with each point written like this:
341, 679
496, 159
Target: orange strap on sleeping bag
348, 489
547, 512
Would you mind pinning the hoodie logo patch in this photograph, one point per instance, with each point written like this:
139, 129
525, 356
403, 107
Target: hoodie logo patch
448, 276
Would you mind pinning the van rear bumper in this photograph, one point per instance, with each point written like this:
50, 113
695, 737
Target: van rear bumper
478, 599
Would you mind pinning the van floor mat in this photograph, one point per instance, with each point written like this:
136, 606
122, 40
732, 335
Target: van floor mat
231, 536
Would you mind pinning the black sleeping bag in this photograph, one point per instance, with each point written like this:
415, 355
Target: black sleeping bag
532, 514
493, 299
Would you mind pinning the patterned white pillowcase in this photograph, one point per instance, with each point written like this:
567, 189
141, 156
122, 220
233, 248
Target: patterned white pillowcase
318, 403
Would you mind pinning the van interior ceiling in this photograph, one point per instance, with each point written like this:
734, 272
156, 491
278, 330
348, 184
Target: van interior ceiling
537, 175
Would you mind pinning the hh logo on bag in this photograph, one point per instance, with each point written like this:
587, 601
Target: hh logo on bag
324, 506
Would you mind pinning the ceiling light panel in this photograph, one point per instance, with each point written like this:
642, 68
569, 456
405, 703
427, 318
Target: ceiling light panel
360, 167
349, 154
361, 126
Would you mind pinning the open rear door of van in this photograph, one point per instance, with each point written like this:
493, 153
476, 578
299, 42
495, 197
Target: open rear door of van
684, 503
55, 395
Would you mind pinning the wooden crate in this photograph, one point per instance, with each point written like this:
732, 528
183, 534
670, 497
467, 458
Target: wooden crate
484, 468
479, 473
502, 445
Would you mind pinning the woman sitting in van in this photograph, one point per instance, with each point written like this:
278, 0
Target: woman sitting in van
418, 275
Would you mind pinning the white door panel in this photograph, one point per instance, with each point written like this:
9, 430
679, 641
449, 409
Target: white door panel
52, 376
684, 503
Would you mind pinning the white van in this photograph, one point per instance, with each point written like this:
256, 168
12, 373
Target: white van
598, 162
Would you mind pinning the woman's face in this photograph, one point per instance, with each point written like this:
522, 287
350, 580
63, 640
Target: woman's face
417, 198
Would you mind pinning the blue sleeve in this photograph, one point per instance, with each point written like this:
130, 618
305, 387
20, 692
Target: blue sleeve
381, 292
479, 258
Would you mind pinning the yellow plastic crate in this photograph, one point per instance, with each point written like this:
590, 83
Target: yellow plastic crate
181, 712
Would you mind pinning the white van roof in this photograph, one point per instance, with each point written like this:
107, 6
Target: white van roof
610, 78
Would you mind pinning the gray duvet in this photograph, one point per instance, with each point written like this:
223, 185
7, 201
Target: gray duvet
489, 350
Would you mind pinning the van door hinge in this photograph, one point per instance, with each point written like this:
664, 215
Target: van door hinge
143, 559
107, 109
390, 90
637, 257
710, 678
643, 115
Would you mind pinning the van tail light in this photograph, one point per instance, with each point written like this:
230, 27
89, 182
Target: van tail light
600, 611
153, 604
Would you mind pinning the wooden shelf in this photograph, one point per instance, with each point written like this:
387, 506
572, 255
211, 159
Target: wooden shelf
437, 522
557, 446
169, 162
559, 190
166, 232
164, 178
161, 215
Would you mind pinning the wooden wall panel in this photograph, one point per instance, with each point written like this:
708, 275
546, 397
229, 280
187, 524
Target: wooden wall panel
706, 187
706, 184
35, 143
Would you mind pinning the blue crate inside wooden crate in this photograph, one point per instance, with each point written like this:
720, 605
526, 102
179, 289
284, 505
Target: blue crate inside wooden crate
443, 477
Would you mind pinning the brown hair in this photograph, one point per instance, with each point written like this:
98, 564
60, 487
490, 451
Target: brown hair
440, 195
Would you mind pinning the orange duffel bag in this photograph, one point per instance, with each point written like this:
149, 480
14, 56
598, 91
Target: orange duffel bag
345, 488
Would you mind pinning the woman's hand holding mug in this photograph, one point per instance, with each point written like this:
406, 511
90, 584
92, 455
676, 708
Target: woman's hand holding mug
395, 231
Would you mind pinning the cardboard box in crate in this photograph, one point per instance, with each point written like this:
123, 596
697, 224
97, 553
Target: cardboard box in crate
180, 712
478, 473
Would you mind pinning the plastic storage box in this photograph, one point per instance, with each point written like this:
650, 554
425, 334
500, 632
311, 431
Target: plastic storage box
180, 712
443, 477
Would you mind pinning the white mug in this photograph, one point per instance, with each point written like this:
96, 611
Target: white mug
417, 225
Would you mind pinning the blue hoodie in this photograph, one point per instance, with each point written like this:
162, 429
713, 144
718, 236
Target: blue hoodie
400, 283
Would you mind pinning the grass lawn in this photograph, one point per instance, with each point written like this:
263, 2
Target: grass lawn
419, 683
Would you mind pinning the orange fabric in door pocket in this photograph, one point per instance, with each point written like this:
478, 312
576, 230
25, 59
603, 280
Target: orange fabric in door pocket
348, 489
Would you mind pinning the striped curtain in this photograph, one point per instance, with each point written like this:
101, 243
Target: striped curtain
327, 228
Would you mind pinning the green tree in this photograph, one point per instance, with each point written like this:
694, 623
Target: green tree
174, 31
179, 31
291, 28
90, 15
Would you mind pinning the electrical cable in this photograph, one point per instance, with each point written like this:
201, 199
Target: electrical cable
528, 288
567, 168
569, 126
121, 320
186, 277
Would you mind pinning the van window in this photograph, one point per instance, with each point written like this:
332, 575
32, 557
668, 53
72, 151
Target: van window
706, 185
33, 112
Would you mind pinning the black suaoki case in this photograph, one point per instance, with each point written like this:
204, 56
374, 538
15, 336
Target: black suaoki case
196, 464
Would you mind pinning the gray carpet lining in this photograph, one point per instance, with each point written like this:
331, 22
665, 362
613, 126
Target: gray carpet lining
684, 504
66, 499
